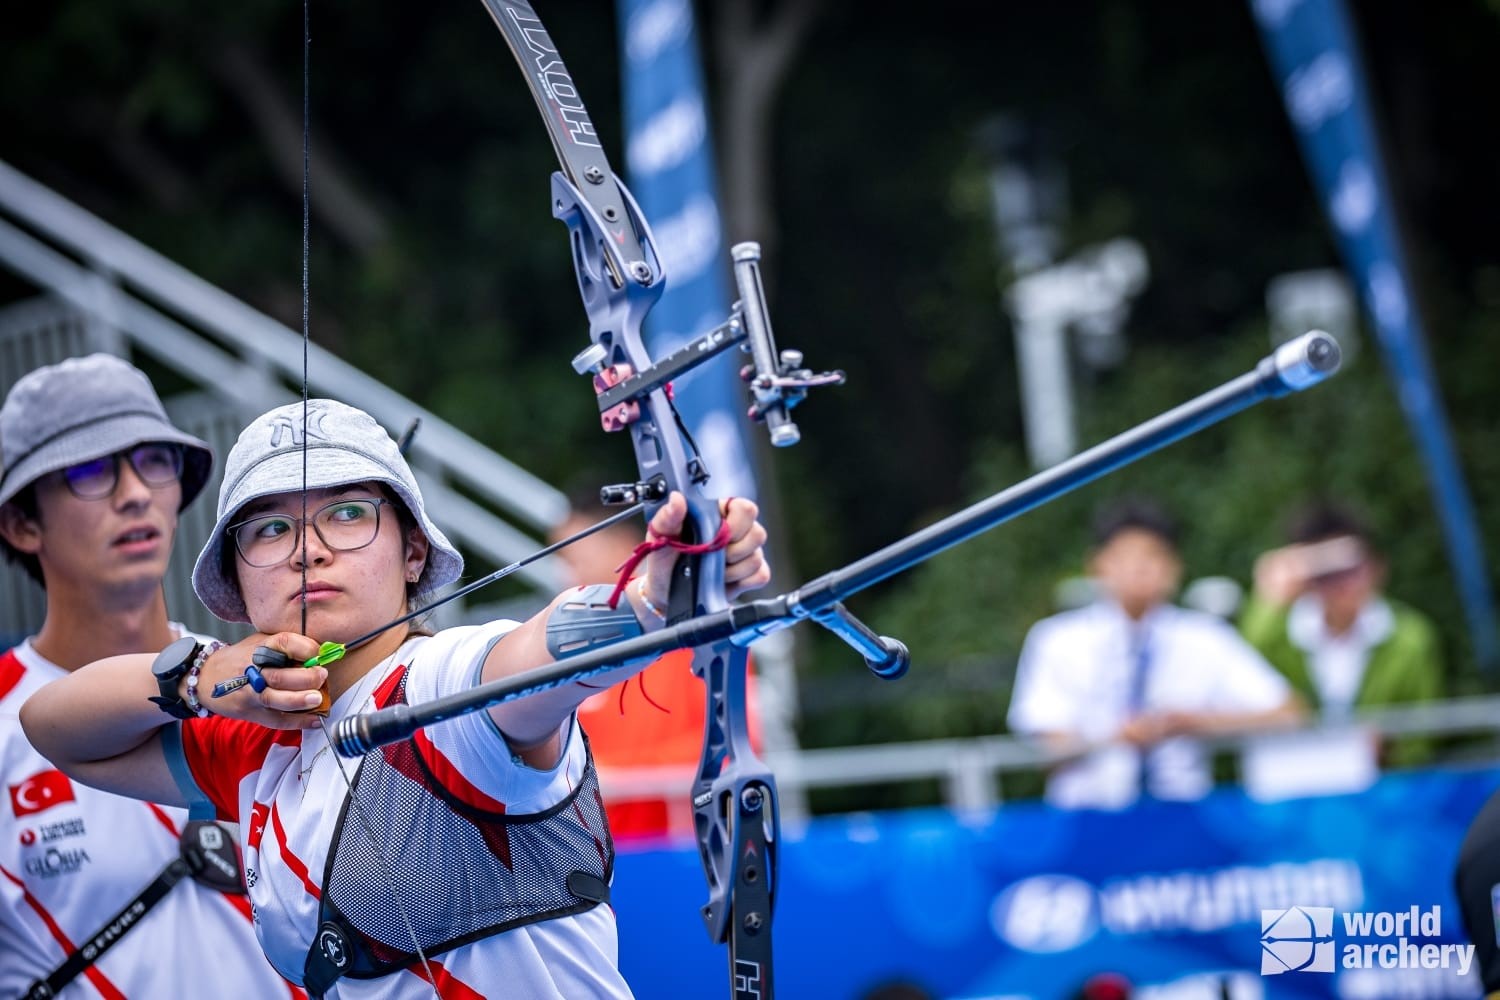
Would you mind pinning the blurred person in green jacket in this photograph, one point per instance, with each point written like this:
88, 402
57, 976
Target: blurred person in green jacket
1319, 615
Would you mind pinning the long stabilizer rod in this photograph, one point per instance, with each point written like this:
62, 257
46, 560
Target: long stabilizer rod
1296, 365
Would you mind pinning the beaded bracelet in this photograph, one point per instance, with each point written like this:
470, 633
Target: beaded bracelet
204, 652
640, 591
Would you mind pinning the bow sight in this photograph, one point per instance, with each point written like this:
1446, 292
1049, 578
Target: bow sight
777, 379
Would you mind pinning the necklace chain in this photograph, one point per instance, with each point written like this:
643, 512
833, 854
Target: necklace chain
303, 773
311, 764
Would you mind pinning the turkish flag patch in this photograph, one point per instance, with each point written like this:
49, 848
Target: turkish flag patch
259, 813
42, 790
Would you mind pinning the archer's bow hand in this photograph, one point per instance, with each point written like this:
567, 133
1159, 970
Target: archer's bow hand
745, 565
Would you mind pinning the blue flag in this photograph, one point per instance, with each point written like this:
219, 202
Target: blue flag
669, 169
1312, 52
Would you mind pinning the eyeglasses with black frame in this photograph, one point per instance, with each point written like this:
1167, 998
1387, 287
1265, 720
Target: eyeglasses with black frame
343, 526
157, 463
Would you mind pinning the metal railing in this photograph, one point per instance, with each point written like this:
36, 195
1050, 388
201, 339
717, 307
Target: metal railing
109, 292
969, 770
135, 299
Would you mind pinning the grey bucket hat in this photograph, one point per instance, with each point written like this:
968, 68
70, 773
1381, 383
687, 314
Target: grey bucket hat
82, 409
343, 445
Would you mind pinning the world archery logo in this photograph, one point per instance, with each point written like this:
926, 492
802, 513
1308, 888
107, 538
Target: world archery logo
1297, 939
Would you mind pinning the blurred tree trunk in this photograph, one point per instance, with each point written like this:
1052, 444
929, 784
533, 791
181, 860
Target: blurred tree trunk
336, 199
753, 50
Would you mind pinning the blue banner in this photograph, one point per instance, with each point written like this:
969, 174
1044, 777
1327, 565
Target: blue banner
669, 166
1346, 897
1312, 52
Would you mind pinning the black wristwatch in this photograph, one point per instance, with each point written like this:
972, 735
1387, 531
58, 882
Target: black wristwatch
170, 666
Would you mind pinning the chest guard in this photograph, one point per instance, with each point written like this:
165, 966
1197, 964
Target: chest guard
459, 872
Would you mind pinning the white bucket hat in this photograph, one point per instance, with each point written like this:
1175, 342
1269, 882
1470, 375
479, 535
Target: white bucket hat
343, 445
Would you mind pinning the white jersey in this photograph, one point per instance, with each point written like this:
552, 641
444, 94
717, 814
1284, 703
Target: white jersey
71, 857
286, 790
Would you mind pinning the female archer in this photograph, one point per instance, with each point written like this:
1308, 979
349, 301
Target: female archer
470, 860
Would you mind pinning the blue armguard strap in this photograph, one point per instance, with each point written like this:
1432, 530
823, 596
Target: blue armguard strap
199, 805
585, 621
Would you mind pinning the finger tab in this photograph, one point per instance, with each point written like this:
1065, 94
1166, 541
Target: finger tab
265, 656
324, 705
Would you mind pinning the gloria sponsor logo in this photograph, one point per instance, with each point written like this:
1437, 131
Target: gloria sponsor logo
56, 861
1304, 939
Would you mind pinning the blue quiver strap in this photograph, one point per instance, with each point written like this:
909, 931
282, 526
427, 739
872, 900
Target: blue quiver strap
584, 621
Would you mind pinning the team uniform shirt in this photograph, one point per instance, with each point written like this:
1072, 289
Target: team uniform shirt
1084, 673
71, 857
287, 790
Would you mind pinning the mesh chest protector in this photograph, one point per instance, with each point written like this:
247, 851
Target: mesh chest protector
460, 872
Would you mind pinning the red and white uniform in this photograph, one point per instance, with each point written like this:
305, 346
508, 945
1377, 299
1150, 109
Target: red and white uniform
286, 791
71, 857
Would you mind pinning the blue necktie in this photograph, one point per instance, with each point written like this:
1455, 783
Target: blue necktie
1135, 696
1140, 658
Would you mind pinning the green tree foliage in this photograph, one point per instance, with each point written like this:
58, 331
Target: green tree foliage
1172, 132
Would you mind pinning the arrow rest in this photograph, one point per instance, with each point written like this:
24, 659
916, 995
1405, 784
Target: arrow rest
653, 491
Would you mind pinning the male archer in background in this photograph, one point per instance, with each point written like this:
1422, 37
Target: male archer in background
649, 728
92, 479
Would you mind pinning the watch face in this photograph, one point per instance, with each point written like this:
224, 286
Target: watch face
176, 658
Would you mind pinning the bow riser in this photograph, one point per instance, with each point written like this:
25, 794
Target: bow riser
734, 796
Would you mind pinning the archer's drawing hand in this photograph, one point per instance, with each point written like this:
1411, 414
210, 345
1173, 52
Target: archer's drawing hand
290, 694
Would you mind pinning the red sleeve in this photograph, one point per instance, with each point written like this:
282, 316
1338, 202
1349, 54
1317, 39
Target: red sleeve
220, 753
11, 672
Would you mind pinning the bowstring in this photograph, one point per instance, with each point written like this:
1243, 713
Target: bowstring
364, 821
